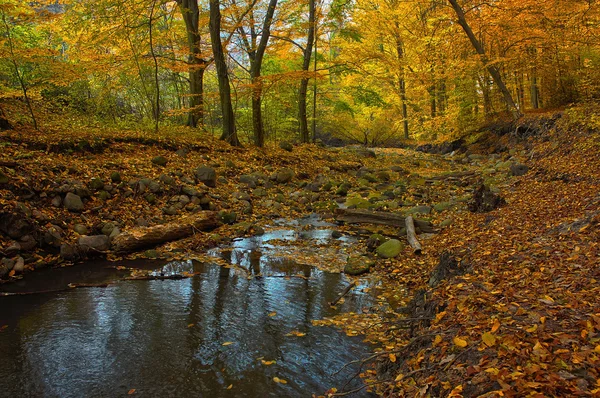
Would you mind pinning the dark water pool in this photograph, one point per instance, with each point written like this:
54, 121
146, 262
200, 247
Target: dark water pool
206, 336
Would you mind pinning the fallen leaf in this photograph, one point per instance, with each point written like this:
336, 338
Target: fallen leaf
268, 363
278, 380
437, 340
460, 342
495, 326
392, 357
296, 333
131, 392
228, 343
11, 273
272, 313
229, 387
489, 339
597, 350
190, 325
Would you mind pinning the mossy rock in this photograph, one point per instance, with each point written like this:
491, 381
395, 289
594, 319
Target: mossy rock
443, 206
356, 202
390, 249
3, 178
115, 177
227, 217
151, 253
357, 265
159, 160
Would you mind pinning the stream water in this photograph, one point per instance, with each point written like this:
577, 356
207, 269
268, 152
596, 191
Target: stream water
211, 335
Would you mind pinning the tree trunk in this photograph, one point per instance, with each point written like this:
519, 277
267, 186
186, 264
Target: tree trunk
256, 58
197, 65
302, 91
493, 70
17, 72
402, 81
156, 80
381, 218
229, 131
141, 238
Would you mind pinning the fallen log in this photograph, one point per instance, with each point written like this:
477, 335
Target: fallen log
358, 216
412, 236
144, 237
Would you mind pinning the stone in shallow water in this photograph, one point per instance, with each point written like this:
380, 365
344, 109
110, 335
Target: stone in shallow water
357, 265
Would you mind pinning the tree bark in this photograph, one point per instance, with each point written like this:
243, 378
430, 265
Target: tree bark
141, 238
493, 70
229, 130
355, 216
402, 80
411, 235
256, 56
156, 80
197, 64
302, 91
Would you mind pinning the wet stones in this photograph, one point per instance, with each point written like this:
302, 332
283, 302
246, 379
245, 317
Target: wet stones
357, 265
99, 243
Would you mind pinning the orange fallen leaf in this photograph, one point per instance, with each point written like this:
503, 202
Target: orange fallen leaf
229, 387
268, 363
460, 342
190, 325
272, 313
495, 326
131, 392
392, 357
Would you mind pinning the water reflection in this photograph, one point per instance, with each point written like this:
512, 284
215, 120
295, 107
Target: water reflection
170, 338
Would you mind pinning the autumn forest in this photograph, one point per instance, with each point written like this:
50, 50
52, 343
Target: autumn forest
317, 198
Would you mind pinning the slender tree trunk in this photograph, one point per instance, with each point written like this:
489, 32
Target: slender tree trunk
492, 69
402, 81
256, 58
156, 80
197, 64
229, 131
17, 72
302, 91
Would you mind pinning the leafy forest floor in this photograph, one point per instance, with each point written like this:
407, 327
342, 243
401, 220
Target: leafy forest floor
514, 310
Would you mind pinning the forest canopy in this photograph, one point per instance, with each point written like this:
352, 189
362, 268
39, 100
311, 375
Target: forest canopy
366, 71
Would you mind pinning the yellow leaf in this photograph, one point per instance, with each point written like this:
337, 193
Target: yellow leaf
272, 313
495, 326
278, 380
489, 339
296, 333
393, 357
439, 316
532, 329
493, 371
267, 363
460, 342
597, 350
228, 343
437, 340
399, 377
190, 325
229, 387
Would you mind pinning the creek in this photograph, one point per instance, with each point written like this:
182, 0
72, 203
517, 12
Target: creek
234, 331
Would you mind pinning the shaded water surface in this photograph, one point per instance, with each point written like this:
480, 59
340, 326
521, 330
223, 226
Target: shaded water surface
199, 337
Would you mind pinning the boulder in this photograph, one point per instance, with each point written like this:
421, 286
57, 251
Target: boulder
108, 228
15, 226
96, 184
390, 249
81, 229
19, 265
249, 180
159, 160
207, 175
518, 169
95, 242
286, 146
73, 202
284, 176
357, 265
115, 177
